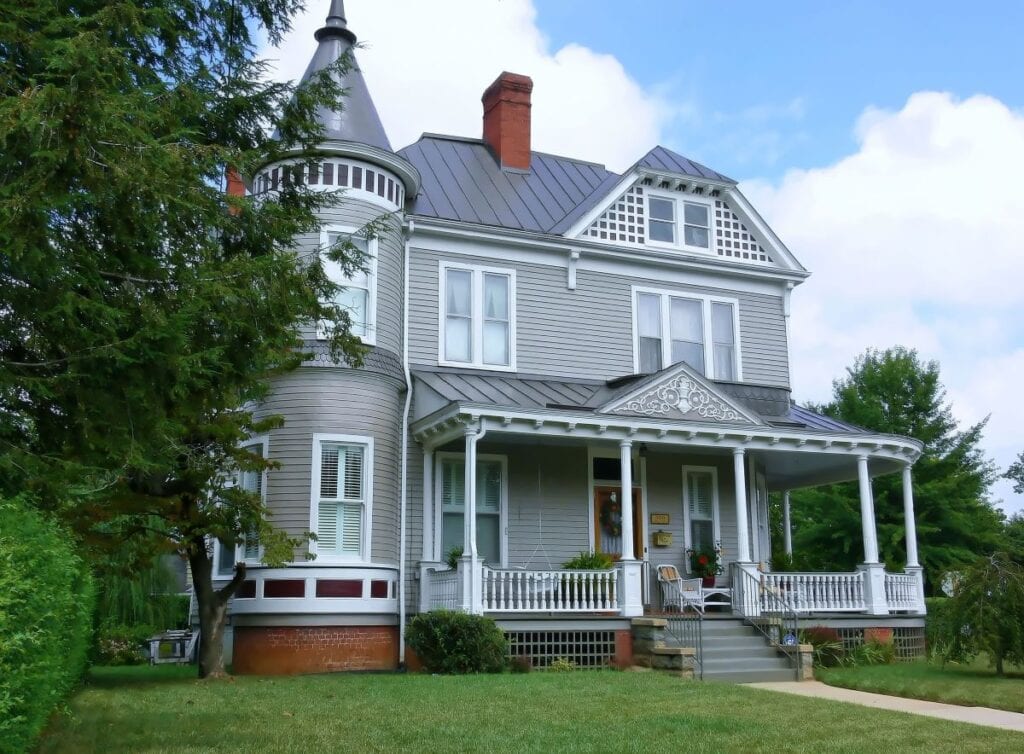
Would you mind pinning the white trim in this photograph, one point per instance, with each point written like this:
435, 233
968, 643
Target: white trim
739, 204
372, 250
476, 314
368, 484
438, 480
716, 516
666, 342
680, 200
602, 451
620, 188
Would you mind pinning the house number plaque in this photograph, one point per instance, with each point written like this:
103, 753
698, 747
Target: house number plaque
660, 519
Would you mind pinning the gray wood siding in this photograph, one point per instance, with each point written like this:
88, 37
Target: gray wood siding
338, 401
588, 332
356, 214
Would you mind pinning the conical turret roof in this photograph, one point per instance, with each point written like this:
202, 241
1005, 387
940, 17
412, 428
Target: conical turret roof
355, 118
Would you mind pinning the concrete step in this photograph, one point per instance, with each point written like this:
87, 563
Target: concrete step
750, 676
739, 651
747, 663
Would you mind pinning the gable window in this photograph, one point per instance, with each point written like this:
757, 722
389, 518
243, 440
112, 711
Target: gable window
342, 479
700, 507
477, 317
358, 288
490, 505
696, 330
680, 222
248, 549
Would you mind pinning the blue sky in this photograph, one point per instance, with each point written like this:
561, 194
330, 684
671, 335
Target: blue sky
883, 142
794, 76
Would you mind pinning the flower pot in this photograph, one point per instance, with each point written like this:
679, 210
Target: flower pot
707, 581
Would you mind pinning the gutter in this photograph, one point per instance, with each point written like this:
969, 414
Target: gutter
404, 475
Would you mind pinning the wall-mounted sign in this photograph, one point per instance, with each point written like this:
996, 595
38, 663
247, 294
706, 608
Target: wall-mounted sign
662, 538
660, 519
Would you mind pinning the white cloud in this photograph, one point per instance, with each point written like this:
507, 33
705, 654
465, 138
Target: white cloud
916, 239
428, 72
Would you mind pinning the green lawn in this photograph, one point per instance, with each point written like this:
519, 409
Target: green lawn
975, 685
165, 710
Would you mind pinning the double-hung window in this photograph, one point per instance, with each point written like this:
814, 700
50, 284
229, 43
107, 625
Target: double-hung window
358, 292
249, 547
700, 502
697, 330
682, 222
477, 317
342, 483
490, 493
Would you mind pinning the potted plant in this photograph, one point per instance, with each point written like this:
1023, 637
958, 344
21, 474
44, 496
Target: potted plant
706, 562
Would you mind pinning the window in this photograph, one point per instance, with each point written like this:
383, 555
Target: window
490, 493
673, 328
700, 507
248, 548
477, 317
663, 225
342, 478
358, 293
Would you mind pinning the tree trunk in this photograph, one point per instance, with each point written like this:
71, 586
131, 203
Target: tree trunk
212, 604
999, 664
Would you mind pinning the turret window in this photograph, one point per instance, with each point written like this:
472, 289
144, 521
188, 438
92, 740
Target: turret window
358, 291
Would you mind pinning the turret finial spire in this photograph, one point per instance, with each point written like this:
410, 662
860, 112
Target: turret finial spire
337, 25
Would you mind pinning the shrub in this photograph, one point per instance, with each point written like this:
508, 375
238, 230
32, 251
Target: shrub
46, 604
872, 652
589, 561
520, 665
828, 646
122, 645
450, 642
562, 665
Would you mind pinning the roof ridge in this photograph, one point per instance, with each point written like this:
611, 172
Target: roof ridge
472, 140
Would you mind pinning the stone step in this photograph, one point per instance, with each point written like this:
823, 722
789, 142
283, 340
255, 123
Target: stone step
750, 676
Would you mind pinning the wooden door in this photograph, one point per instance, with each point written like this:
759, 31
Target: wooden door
608, 522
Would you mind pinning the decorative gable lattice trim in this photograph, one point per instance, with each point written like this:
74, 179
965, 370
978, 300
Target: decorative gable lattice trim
732, 239
682, 394
623, 221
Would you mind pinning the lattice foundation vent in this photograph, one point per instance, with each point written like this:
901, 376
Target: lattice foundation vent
587, 649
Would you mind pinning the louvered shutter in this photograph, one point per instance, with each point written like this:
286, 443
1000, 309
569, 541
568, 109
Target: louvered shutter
453, 485
342, 499
488, 487
252, 481
701, 499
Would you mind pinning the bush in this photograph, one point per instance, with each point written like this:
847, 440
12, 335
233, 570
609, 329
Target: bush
589, 561
46, 604
828, 646
122, 645
450, 642
872, 652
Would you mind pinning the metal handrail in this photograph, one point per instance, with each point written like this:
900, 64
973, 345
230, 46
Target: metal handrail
755, 601
688, 630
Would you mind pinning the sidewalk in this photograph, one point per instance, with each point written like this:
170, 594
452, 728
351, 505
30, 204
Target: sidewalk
994, 718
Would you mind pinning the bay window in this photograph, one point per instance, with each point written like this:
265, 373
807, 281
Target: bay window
697, 330
342, 484
477, 317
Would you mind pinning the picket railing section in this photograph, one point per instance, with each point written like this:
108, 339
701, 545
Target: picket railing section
901, 592
818, 592
443, 590
514, 591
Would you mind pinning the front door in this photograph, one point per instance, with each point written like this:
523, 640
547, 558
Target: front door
608, 522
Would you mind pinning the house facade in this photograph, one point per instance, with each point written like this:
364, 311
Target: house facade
562, 360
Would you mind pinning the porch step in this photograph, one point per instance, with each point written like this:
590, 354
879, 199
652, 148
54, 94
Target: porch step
751, 676
735, 652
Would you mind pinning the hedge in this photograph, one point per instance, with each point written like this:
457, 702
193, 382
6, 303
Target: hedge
450, 642
46, 603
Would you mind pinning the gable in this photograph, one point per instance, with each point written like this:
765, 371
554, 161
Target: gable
624, 222
678, 392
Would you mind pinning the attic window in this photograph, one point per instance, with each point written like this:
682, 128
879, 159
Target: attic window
680, 222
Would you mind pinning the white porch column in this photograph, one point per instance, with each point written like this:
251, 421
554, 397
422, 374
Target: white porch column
742, 530
910, 523
469, 563
631, 584
428, 506
787, 529
626, 459
867, 512
872, 571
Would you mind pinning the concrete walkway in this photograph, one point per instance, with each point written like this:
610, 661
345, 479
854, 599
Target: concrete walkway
994, 718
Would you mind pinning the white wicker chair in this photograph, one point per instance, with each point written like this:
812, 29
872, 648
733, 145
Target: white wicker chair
678, 593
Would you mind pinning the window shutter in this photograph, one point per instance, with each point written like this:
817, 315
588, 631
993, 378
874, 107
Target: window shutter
329, 471
351, 528
327, 527
252, 546
353, 459
453, 484
488, 487
701, 502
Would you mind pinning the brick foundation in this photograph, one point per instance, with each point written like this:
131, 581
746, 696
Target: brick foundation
623, 649
266, 650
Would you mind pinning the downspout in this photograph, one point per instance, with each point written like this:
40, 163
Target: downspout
403, 494
471, 443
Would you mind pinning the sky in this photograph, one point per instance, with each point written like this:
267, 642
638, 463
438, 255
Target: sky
882, 141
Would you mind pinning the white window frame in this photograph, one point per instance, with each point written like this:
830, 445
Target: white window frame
716, 520
476, 315
264, 442
680, 220
439, 459
314, 503
372, 248
666, 323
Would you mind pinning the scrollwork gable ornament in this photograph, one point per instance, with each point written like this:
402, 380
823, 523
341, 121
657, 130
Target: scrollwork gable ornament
681, 394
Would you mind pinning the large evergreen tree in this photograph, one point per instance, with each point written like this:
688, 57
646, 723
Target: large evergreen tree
141, 309
894, 392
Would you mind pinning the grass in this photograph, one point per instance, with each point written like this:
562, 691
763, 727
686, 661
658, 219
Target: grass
974, 685
167, 710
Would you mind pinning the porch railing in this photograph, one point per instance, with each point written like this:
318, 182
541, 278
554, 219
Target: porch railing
510, 591
687, 629
768, 610
901, 592
818, 592
442, 589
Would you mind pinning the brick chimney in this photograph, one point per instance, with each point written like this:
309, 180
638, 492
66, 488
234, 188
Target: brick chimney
507, 119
